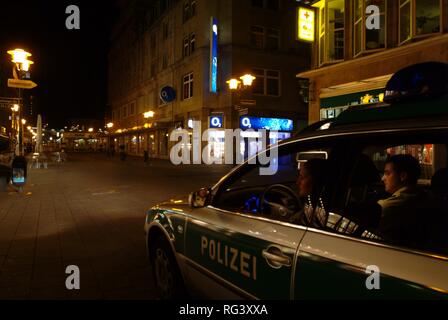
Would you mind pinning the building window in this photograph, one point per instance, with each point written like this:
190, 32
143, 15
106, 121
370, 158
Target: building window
405, 21
186, 47
186, 14
132, 109
427, 16
257, 37
125, 112
193, 8
331, 30
189, 45
419, 18
266, 4
192, 42
267, 82
272, 39
189, 10
187, 86
365, 40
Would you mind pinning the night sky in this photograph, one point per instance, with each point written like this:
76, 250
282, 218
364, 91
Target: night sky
70, 65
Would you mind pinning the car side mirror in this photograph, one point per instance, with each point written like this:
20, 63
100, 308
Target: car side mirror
200, 198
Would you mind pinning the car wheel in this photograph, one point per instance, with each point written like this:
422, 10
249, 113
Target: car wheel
167, 277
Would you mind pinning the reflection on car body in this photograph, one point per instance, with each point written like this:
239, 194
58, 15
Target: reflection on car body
237, 239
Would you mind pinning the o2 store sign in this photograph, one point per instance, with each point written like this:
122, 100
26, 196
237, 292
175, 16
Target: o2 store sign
277, 124
216, 122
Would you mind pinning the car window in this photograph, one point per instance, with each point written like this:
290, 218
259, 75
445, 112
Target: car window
271, 196
414, 215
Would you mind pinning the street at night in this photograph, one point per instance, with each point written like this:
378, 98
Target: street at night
219, 150
89, 212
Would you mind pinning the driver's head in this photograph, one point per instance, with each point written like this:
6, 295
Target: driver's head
311, 177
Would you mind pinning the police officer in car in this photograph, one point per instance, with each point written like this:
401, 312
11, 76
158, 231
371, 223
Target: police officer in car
402, 213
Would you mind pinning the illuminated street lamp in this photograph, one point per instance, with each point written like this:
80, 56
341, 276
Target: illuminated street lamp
109, 125
20, 58
15, 108
149, 114
247, 79
235, 84
90, 129
22, 64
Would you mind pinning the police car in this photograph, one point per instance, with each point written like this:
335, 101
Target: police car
237, 239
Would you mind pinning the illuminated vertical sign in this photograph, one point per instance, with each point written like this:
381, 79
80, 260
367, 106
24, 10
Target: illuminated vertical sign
213, 54
305, 25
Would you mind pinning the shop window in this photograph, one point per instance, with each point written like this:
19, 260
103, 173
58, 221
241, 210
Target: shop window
187, 86
331, 30
419, 18
365, 40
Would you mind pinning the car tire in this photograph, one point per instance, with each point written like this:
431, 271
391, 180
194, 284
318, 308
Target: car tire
167, 277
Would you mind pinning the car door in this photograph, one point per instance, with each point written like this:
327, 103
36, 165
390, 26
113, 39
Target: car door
348, 258
232, 251
232, 255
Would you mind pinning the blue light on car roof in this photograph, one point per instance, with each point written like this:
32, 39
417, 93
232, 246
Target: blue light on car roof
422, 80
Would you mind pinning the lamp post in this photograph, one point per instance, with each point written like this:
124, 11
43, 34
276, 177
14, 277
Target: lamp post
22, 66
239, 87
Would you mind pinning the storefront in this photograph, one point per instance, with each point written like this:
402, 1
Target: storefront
332, 106
278, 129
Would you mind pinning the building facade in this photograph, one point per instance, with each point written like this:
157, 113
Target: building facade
170, 60
353, 59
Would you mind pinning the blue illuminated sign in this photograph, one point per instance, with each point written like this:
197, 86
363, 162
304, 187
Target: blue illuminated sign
214, 55
215, 122
266, 123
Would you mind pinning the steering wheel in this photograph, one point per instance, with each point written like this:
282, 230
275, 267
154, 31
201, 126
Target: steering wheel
291, 202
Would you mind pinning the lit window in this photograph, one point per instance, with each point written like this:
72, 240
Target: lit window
364, 39
427, 21
331, 30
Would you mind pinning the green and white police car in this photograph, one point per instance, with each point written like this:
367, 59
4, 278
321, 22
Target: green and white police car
237, 239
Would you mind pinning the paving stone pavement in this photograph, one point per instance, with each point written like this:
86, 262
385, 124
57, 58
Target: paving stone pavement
88, 212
